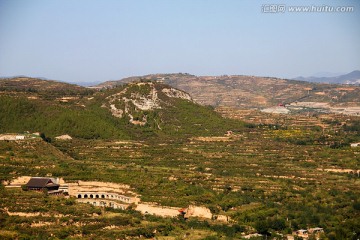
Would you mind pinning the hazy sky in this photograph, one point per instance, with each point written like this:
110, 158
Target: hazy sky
88, 40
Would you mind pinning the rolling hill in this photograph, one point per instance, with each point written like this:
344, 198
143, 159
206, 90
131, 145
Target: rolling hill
137, 110
36, 85
243, 92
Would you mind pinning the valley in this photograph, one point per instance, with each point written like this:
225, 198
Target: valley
256, 173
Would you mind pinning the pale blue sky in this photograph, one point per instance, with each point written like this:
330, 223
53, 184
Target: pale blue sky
99, 40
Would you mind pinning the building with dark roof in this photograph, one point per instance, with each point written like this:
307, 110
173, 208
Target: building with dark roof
42, 183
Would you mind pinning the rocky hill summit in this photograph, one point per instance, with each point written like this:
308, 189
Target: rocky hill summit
136, 99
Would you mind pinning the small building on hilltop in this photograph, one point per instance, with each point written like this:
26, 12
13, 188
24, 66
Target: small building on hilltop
42, 183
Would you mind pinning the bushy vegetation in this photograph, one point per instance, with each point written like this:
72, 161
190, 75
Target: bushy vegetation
20, 114
264, 179
272, 187
88, 119
59, 218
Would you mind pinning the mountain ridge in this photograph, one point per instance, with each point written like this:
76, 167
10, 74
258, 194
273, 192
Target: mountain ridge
241, 92
352, 78
231, 92
41, 86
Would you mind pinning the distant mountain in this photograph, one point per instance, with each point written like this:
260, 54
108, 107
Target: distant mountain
244, 92
86, 84
328, 74
349, 78
40, 85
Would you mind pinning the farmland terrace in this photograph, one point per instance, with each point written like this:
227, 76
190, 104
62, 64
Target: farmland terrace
274, 175
247, 176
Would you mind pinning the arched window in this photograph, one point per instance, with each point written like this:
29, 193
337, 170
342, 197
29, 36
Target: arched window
79, 195
85, 196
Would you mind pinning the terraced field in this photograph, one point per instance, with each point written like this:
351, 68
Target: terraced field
250, 176
256, 166
273, 175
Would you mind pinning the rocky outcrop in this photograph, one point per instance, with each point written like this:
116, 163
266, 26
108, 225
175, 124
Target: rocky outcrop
136, 99
195, 211
172, 92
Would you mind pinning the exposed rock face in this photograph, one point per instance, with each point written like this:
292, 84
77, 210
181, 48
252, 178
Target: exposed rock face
201, 212
163, 211
191, 211
116, 112
135, 100
146, 102
172, 92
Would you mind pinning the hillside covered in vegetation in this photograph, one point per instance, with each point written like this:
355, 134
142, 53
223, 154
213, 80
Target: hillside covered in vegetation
88, 114
271, 179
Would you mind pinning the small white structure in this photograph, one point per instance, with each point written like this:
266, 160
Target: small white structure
277, 109
316, 230
64, 188
252, 235
355, 144
302, 233
11, 137
19, 137
63, 137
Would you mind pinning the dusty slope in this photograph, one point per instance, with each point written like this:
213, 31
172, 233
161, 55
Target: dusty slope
250, 91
